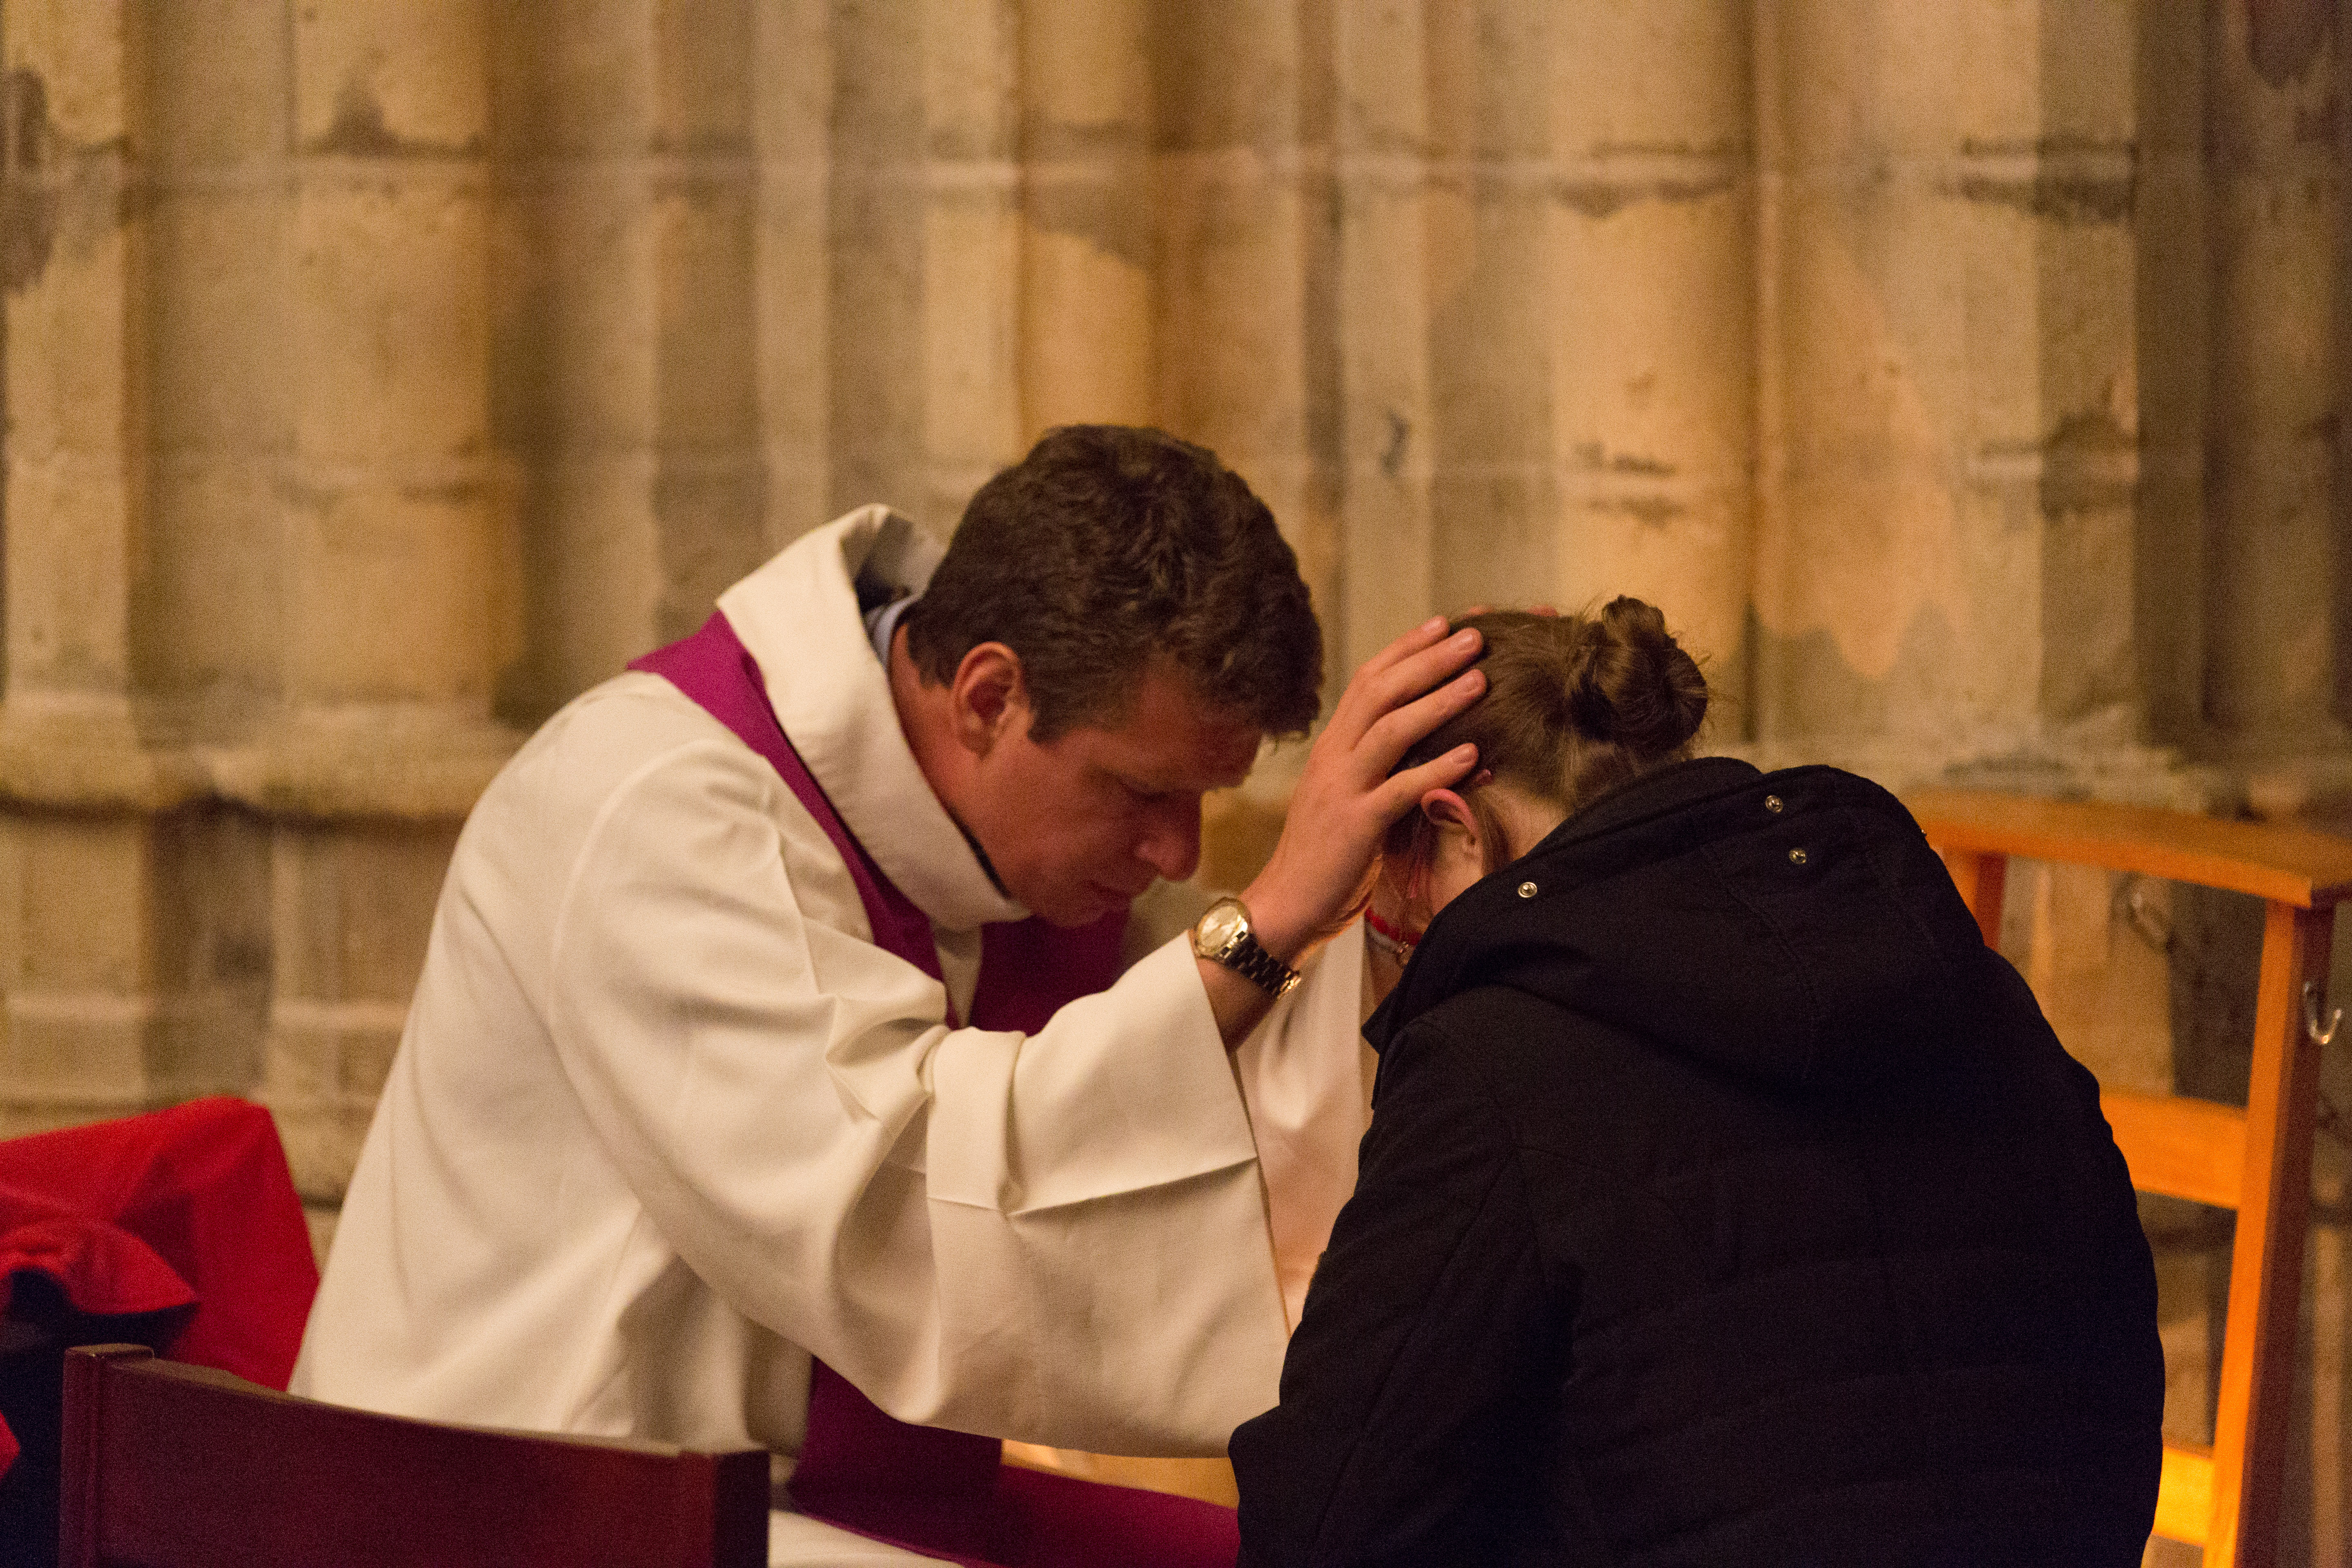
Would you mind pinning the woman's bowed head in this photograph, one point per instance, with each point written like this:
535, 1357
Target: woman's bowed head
1576, 707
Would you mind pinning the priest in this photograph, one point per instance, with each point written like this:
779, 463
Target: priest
795, 1062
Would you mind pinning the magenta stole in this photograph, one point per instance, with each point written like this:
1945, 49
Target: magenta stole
925, 1488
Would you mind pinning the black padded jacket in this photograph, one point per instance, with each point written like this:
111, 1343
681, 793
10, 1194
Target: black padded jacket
1726, 1202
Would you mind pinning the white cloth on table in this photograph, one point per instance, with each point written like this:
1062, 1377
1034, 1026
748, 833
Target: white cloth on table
796, 1541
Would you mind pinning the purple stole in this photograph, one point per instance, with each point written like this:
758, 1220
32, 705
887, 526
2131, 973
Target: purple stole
924, 1488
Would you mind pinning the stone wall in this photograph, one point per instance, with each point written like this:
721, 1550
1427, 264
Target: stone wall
1965, 379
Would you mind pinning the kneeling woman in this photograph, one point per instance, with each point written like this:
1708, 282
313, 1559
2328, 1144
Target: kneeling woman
1726, 1200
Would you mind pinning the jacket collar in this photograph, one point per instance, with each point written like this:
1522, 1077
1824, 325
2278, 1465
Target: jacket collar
1670, 789
1679, 787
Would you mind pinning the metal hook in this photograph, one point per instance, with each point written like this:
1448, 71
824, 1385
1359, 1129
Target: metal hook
2138, 908
2311, 1025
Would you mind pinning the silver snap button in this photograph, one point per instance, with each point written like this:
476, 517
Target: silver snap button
1527, 890
1772, 804
1796, 857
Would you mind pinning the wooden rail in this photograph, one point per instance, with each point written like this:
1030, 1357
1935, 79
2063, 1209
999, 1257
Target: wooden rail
2291, 865
2256, 1161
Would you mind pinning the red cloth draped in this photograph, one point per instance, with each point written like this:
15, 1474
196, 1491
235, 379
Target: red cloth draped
929, 1489
102, 1270
189, 1206
206, 1185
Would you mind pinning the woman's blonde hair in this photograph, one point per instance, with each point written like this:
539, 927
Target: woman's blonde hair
1576, 706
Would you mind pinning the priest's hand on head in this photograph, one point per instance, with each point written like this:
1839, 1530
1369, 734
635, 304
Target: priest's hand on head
1320, 875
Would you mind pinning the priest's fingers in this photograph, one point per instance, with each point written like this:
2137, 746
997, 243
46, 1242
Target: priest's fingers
1398, 731
1405, 644
1395, 676
1315, 880
1441, 772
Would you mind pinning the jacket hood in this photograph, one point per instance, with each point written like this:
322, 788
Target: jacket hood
1791, 927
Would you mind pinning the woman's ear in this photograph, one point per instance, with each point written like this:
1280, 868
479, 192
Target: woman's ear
1460, 839
1447, 810
990, 696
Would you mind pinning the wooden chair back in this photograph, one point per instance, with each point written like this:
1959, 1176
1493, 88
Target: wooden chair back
168, 1466
2257, 1160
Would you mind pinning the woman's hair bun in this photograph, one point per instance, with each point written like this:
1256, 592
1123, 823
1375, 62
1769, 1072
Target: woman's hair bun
1636, 687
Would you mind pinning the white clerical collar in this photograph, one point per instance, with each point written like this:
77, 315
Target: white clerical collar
883, 620
799, 617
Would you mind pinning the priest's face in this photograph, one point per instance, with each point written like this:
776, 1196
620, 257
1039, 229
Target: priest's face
1079, 825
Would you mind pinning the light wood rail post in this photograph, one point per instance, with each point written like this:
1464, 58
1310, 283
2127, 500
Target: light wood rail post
2257, 1378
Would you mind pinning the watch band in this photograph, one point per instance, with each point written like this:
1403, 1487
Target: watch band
1246, 958
1240, 951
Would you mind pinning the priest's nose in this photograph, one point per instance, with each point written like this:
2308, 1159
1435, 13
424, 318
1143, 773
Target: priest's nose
1171, 843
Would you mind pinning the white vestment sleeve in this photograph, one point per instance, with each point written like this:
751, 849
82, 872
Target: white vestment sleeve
1058, 1237
1308, 1076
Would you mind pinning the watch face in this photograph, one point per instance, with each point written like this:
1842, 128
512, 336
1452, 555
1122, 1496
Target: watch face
1218, 928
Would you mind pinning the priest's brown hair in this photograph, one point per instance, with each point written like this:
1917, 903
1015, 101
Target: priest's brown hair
1107, 547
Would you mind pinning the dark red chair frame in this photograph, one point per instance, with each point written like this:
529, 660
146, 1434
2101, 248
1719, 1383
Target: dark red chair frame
168, 1466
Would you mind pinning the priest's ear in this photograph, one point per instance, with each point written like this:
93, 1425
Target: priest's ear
990, 696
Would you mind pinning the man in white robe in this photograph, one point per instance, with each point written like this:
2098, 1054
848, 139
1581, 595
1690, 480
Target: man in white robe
665, 1122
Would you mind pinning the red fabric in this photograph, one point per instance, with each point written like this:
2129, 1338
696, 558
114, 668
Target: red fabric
1051, 1520
869, 1472
204, 1186
925, 1488
1029, 970
1035, 1519
102, 1270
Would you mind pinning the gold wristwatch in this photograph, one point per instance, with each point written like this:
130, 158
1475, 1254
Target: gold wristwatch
1224, 936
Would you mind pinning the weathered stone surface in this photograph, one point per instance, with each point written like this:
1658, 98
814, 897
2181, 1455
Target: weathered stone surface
1963, 379
404, 80
350, 909
1088, 244
133, 960
1653, 340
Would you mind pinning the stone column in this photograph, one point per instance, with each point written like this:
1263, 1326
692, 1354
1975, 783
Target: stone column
2274, 85
873, 256
576, 368
2171, 213
792, 261
1947, 502
78, 967
708, 500
1382, 168
218, 130
970, 202
1246, 354
1492, 281
1088, 240
627, 340
399, 556
1652, 337
72, 266
923, 254
2071, 188
1860, 601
